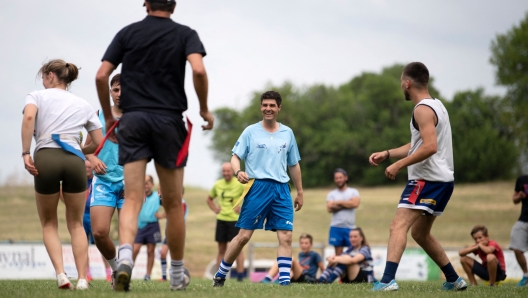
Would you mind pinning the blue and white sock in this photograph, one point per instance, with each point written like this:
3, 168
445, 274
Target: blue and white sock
326, 274
176, 272
285, 264
223, 270
125, 254
163, 268
336, 273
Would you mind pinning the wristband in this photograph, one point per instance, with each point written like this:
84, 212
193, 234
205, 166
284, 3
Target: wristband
25, 153
388, 154
236, 173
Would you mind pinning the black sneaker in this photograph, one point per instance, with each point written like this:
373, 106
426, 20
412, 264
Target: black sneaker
218, 282
123, 275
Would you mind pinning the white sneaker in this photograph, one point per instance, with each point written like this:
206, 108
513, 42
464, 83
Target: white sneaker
82, 284
63, 282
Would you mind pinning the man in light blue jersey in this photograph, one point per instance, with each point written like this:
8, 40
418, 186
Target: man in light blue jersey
107, 185
268, 148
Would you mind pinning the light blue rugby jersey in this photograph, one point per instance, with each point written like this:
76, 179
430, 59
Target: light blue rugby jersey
110, 155
266, 154
148, 210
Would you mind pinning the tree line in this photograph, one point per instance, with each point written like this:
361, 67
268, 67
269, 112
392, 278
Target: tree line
341, 126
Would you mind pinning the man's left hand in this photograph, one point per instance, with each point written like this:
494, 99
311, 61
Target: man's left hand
298, 201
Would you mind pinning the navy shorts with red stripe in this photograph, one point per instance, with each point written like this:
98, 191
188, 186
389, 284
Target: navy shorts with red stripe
147, 135
431, 197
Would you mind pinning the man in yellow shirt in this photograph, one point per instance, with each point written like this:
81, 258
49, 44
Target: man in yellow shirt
227, 190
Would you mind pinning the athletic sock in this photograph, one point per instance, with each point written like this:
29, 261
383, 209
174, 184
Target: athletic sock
285, 264
223, 270
525, 274
449, 272
267, 278
324, 276
108, 271
240, 276
113, 263
336, 273
125, 254
163, 268
390, 272
176, 272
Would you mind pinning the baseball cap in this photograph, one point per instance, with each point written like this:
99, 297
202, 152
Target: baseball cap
161, 1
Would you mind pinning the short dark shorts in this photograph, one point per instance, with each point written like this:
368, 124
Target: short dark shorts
482, 272
145, 135
225, 230
150, 234
55, 165
360, 278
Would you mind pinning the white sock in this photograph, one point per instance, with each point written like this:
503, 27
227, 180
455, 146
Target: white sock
113, 263
125, 253
525, 274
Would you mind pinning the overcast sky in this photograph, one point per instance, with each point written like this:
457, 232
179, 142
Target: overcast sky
249, 44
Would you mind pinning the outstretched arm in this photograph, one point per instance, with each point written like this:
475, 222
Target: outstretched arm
295, 173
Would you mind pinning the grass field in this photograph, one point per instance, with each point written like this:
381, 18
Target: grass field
202, 288
485, 203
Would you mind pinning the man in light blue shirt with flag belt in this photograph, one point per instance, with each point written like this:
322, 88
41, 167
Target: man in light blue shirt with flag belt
268, 148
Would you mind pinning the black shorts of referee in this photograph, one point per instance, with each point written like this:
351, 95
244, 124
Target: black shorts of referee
225, 230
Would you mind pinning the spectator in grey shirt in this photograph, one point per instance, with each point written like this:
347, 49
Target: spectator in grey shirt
342, 203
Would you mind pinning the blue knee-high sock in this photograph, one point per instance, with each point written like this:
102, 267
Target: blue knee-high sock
336, 273
223, 270
449, 272
324, 276
390, 272
285, 264
163, 268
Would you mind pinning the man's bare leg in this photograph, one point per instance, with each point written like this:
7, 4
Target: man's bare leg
171, 181
101, 218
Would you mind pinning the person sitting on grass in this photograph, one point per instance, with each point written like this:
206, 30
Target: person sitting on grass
304, 269
493, 268
355, 265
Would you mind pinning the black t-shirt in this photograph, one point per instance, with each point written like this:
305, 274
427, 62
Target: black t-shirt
522, 185
154, 54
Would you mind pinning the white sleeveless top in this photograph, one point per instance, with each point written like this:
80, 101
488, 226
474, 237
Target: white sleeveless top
439, 167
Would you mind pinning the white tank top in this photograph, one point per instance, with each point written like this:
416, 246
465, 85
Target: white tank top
438, 167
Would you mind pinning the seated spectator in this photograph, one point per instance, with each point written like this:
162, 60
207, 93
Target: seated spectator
305, 268
493, 268
355, 265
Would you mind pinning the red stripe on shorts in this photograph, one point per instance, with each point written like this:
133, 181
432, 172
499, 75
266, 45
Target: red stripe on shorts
185, 147
416, 191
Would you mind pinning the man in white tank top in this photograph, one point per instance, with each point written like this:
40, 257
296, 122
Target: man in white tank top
429, 160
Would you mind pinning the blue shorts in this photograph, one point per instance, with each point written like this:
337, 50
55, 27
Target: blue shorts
432, 197
110, 194
267, 200
149, 234
88, 228
339, 237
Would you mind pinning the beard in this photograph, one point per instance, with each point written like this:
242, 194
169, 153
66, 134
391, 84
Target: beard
341, 185
407, 95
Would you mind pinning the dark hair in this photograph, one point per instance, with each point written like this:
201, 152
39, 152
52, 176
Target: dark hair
65, 72
364, 242
271, 95
150, 179
115, 79
417, 72
306, 236
156, 6
479, 228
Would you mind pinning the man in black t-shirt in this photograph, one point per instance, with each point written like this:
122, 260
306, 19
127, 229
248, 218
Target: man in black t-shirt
153, 53
519, 233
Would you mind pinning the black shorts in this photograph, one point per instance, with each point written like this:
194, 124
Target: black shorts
55, 165
225, 230
150, 234
360, 278
482, 272
145, 135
